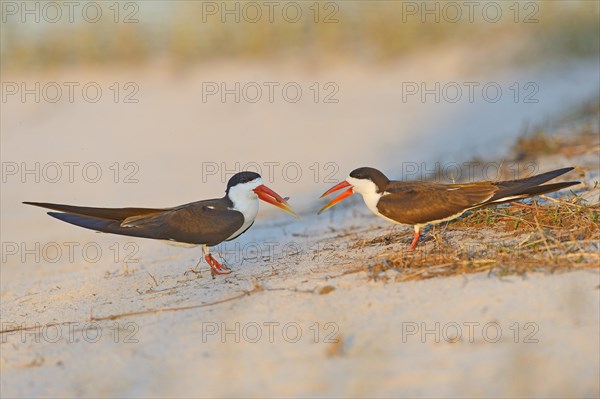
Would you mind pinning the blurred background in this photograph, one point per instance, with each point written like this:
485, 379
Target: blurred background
42, 37
158, 103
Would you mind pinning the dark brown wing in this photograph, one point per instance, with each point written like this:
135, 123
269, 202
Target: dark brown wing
207, 222
204, 222
423, 203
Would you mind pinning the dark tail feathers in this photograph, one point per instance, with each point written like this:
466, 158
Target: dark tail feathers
530, 186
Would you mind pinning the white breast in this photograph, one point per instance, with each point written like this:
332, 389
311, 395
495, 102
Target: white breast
371, 200
368, 190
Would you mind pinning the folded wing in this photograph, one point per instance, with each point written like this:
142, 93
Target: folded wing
202, 222
423, 203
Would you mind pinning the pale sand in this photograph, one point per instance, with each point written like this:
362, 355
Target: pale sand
166, 136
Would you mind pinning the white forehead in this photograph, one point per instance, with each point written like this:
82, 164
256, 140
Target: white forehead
248, 186
362, 186
252, 184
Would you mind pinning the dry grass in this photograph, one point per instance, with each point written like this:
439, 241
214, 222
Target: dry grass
516, 239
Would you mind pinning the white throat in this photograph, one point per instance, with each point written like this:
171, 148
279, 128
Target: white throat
368, 190
245, 201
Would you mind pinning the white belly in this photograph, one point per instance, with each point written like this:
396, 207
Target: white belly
249, 209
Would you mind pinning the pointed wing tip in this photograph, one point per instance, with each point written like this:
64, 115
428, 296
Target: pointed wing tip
566, 183
40, 204
565, 170
56, 215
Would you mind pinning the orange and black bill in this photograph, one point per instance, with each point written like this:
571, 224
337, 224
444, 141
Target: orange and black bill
340, 197
270, 196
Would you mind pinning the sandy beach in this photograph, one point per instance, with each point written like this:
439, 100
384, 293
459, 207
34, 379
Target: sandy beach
498, 304
304, 312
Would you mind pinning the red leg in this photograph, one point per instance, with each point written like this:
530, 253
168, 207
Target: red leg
415, 240
215, 266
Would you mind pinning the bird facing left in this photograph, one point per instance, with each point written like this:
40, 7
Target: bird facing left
207, 222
